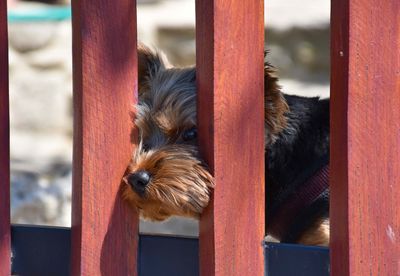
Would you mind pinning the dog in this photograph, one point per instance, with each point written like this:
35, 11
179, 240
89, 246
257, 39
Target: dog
167, 176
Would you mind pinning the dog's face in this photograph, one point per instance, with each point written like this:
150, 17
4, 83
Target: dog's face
166, 176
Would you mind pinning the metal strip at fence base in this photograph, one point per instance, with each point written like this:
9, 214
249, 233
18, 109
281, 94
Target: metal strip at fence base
41, 250
293, 259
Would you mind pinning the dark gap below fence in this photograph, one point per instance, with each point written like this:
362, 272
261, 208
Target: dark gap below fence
41, 250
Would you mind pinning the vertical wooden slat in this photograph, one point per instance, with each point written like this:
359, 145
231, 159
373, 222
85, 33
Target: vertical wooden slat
4, 147
230, 43
365, 137
104, 230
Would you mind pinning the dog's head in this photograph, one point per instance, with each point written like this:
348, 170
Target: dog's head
167, 176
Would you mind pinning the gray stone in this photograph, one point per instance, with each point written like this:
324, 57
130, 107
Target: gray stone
175, 226
40, 149
15, 61
29, 36
38, 198
40, 100
47, 58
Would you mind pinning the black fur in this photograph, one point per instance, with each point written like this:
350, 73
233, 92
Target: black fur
301, 150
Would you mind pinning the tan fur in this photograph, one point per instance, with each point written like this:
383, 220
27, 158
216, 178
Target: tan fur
318, 234
180, 184
275, 107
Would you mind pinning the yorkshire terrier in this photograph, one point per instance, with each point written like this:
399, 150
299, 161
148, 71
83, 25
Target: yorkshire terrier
167, 176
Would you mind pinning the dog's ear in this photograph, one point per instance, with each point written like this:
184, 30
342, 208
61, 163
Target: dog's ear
149, 63
276, 106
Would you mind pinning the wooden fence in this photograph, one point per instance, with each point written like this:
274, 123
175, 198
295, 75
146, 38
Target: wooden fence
4, 148
365, 136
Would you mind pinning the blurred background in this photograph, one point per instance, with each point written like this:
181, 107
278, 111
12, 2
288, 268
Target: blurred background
40, 59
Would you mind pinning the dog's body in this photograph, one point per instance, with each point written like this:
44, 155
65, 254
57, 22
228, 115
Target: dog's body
297, 167
167, 176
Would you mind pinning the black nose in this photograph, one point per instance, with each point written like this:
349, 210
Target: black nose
139, 181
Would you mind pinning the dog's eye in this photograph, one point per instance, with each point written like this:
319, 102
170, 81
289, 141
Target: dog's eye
189, 134
146, 147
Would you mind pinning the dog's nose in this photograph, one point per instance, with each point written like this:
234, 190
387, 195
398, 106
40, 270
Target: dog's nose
139, 180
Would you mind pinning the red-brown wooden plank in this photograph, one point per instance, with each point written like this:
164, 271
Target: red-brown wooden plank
365, 138
4, 147
230, 44
104, 230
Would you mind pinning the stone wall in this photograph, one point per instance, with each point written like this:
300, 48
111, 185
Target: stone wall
41, 122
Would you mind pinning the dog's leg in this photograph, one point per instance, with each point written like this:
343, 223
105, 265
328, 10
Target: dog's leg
318, 234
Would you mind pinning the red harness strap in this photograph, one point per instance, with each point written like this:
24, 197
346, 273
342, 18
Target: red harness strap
307, 193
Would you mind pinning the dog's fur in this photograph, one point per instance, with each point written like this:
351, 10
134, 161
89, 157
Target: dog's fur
296, 143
